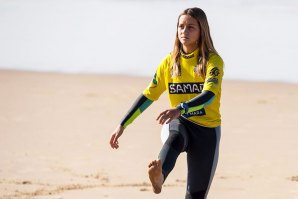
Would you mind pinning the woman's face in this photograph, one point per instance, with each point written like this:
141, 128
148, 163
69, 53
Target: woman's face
188, 33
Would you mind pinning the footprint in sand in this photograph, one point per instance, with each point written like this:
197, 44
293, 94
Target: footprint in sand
294, 178
91, 94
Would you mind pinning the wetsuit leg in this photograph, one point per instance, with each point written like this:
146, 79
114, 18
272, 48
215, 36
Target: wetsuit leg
202, 157
174, 145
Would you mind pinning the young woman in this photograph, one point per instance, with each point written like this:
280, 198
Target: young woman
192, 76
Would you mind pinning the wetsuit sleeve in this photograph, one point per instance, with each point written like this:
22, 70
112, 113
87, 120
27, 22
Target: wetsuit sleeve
150, 94
137, 108
197, 103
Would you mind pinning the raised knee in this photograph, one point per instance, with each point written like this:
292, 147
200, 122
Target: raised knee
176, 141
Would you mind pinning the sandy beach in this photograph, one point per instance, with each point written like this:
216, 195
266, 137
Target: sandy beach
55, 130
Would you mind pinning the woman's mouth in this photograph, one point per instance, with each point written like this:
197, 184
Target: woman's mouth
184, 37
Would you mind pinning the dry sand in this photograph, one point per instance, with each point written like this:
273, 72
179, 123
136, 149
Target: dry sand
55, 129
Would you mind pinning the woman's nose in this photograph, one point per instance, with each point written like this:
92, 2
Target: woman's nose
184, 30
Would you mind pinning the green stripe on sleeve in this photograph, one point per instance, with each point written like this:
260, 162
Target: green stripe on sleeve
137, 112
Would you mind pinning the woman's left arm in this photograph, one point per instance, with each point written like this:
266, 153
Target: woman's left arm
194, 104
197, 103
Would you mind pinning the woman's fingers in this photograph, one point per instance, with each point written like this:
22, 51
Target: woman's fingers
114, 141
167, 116
115, 136
161, 115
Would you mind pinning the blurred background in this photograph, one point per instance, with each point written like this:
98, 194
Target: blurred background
55, 128
257, 39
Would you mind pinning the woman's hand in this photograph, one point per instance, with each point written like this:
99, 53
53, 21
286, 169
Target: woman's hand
115, 136
168, 115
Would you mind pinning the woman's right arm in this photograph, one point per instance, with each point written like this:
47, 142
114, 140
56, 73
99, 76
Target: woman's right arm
150, 94
141, 104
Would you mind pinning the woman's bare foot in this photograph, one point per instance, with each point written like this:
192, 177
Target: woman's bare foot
155, 175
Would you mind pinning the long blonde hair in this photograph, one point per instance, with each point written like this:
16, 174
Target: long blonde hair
205, 43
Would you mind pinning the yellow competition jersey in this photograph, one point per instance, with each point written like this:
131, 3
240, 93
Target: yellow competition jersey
190, 85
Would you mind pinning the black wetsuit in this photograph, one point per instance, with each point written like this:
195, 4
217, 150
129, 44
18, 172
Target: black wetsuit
201, 145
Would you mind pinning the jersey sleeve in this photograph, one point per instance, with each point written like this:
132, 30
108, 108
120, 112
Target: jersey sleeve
157, 85
214, 74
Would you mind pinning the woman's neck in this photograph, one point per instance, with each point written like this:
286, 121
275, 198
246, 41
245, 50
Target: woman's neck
189, 55
189, 49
